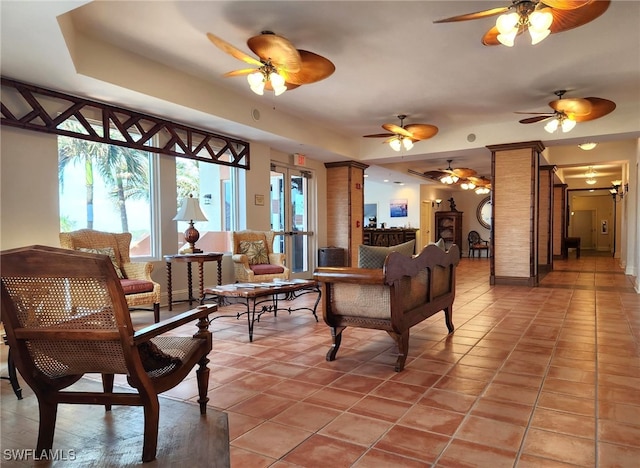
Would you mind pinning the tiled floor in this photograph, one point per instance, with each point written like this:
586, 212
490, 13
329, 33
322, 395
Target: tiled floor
531, 377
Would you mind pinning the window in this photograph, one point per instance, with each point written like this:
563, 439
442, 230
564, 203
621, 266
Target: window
216, 187
107, 188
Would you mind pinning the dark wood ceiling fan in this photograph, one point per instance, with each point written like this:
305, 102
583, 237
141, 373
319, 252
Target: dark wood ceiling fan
566, 14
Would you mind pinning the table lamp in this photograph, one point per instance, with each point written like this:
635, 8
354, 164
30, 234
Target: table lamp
190, 211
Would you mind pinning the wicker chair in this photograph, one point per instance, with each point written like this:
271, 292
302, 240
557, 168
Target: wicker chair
137, 284
255, 269
65, 315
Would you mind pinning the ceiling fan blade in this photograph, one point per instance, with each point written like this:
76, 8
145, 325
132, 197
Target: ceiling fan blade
563, 20
289, 86
464, 172
244, 71
473, 16
393, 128
431, 175
566, 4
233, 51
491, 36
538, 118
480, 181
573, 106
421, 131
379, 135
535, 113
282, 54
314, 68
599, 108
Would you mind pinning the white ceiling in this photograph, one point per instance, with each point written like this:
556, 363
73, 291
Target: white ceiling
390, 59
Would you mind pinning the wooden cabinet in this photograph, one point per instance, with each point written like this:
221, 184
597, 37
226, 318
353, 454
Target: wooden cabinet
388, 237
449, 228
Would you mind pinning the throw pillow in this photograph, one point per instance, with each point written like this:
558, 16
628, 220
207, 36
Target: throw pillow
153, 358
110, 253
255, 251
373, 257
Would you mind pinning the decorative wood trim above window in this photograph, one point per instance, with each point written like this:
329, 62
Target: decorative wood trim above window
42, 110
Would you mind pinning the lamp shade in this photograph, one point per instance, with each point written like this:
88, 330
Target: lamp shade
190, 210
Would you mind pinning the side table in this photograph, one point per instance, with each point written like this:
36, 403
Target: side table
198, 258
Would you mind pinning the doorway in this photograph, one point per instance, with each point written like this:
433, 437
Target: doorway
583, 226
291, 217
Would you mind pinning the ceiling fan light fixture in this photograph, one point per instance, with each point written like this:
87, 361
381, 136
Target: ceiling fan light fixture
540, 20
567, 125
538, 36
256, 82
508, 39
552, 125
407, 143
277, 83
482, 190
395, 144
508, 22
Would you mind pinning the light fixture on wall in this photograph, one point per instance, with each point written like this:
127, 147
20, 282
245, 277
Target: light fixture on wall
526, 16
267, 74
437, 202
560, 121
587, 146
190, 211
617, 191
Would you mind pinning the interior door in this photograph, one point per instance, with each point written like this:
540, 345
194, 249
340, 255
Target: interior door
583, 226
291, 218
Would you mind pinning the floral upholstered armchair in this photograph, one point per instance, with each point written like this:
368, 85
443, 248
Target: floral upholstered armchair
135, 277
254, 259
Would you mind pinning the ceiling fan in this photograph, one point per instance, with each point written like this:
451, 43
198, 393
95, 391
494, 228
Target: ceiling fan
399, 136
280, 66
467, 179
540, 17
568, 111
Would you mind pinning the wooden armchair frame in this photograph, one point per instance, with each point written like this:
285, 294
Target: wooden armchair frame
477, 243
66, 315
394, 298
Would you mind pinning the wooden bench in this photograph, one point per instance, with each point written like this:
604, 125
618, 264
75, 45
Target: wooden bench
403, 293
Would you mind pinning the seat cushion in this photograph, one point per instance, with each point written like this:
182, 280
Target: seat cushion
256, 252
373, 257
266, 269
131, 286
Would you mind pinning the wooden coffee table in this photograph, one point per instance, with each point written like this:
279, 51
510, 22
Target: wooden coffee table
260, 298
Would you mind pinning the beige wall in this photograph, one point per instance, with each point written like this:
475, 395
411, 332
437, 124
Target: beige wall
29, 190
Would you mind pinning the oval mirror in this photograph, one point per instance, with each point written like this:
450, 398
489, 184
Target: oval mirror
484, 212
